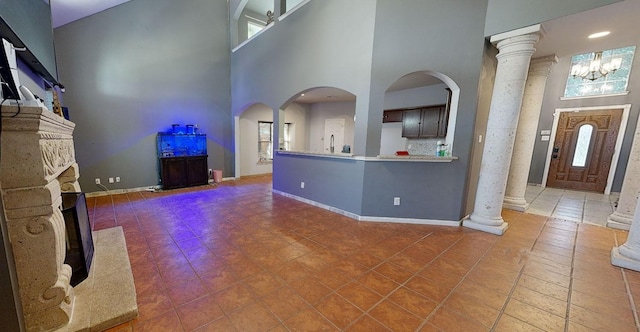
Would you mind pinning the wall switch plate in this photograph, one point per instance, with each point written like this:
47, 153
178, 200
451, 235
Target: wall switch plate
117, 179
396, 201
97, 180
110, 180
302, 185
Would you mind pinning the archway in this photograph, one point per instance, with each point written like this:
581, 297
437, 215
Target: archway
313, 111
254, 143
420, 112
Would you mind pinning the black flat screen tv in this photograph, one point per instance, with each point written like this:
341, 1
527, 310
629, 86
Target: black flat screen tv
27, 23
9, 88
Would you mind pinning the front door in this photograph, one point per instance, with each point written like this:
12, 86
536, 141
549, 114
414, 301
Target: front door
583, 149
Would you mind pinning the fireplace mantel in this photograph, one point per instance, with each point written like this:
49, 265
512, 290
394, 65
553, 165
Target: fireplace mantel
38, 164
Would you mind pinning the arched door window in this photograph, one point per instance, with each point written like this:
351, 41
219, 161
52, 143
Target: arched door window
582, 146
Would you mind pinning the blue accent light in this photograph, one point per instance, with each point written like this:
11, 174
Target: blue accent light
182, 141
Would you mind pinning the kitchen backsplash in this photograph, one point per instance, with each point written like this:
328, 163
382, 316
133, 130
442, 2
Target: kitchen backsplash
423, 146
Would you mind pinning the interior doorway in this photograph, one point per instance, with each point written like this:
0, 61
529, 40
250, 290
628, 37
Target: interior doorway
585, 148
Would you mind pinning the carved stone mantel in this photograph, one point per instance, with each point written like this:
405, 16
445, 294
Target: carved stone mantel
37, 164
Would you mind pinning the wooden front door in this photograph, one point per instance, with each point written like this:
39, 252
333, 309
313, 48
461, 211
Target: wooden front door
583, 149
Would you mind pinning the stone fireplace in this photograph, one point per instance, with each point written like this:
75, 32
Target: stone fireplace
36, 166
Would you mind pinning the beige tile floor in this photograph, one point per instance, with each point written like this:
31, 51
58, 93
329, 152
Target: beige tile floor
578, 206
238, 258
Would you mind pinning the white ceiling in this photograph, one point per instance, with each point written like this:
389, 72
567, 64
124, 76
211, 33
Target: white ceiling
67, 11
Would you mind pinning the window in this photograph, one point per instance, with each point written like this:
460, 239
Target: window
582, 146
613, 83
287, 137
253, 28
265, 140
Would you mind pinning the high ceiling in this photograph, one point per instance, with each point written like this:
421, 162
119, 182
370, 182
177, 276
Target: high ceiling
67, 11
564, 36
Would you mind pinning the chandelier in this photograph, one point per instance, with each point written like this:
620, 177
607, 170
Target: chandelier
595, 69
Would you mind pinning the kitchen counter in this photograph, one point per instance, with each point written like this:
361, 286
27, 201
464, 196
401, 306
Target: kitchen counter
392, 158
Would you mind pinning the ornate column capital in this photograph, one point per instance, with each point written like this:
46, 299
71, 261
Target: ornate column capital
517, 46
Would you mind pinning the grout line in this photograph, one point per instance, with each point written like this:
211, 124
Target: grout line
504, 306
520, 273
441, 303
631, 301
573, 258
627, 287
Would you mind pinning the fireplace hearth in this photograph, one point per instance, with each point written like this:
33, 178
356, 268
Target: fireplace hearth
37, 166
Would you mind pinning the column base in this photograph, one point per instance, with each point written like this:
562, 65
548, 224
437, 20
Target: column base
515, 204
497, 227
620, 260
619, 221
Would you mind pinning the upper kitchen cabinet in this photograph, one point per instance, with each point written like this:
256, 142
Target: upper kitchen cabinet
425, 122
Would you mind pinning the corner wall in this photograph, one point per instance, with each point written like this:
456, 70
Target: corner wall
135, 69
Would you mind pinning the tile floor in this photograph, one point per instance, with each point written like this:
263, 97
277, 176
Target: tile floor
238, 258
578, 206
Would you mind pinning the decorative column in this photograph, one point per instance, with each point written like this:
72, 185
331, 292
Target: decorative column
38, 159
513, 64
623, 216
526, 133
628, 254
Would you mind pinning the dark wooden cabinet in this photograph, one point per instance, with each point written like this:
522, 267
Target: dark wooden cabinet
411, 122
425, 122
392, 116
178, 172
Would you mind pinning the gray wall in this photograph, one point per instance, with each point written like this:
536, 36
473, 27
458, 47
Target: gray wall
458, 54
337, 38
324, 43
334, 182
507, 15
132, 71
555, 89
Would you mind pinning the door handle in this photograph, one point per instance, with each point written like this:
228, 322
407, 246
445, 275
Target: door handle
556, 149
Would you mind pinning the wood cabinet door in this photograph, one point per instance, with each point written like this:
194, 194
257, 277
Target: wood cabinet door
392, 116
411, 123
430, 122
197, 172
174, 173
583, 149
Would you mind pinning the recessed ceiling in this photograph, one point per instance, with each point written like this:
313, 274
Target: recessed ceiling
567, 36
67, 11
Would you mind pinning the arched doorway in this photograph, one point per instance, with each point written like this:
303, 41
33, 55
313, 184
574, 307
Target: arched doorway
420, 109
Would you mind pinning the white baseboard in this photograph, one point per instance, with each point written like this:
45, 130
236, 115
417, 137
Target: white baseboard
371, 218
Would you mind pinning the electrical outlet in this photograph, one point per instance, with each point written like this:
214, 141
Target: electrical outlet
111, 180
117, 179
396, 201
97, 180
302, 185
210, 171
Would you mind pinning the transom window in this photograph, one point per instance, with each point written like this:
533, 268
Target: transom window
612, 83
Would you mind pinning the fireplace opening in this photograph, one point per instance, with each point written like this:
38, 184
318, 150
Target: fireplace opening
79, 239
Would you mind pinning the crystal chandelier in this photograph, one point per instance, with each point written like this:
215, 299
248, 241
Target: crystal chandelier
595, 69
